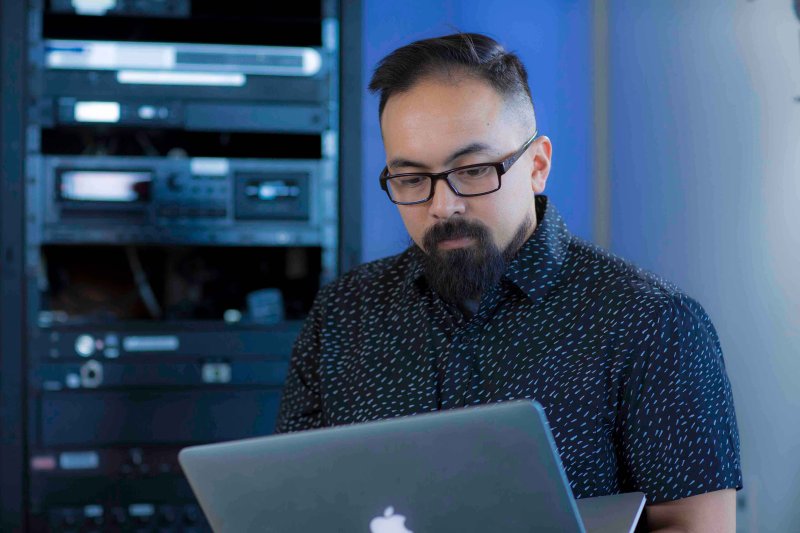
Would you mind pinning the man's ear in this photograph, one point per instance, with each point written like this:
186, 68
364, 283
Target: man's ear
542, 152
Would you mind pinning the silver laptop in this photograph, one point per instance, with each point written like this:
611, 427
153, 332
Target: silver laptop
487, 468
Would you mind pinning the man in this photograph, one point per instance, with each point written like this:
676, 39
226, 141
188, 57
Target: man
496, 300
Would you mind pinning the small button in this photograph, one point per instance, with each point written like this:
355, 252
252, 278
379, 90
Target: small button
111, 353
84, 345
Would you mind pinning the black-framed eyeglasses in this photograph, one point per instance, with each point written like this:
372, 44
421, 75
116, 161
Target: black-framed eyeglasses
470, 180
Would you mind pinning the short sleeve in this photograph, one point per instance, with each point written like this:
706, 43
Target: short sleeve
301, 404
677, 424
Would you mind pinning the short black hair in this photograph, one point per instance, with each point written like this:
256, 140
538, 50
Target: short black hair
472, 54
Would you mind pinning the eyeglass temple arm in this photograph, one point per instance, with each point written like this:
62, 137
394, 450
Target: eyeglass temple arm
513, 159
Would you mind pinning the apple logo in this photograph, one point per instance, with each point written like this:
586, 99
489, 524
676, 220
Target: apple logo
389, 523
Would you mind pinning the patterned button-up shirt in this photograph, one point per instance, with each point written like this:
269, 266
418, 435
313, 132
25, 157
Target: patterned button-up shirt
628, 369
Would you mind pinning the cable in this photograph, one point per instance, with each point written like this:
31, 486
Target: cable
139, 276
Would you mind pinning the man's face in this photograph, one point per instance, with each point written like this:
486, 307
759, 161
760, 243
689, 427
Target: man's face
438, 125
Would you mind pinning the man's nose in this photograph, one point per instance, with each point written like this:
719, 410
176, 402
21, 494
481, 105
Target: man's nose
445, 203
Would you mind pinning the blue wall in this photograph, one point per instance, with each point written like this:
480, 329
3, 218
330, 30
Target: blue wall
552, 38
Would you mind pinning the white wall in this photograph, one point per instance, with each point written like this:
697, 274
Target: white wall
705, 190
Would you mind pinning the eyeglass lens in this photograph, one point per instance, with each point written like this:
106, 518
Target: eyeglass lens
417, 187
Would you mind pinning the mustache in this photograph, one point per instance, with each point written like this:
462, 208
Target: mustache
453, 229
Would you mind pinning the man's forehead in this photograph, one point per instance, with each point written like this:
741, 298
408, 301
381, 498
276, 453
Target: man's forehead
445, 156
447, 103
433, 120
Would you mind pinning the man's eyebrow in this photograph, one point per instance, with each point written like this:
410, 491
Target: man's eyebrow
473, 148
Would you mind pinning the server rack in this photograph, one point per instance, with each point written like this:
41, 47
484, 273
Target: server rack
173, 204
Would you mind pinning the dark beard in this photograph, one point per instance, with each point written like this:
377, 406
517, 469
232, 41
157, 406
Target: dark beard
463, 274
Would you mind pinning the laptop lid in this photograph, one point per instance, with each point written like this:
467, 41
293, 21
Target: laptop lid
487, 468
617, 513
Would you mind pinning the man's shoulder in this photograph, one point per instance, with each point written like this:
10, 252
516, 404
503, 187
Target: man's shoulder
622, 284
641, 309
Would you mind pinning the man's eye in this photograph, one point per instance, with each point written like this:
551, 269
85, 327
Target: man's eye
411, 181
473, 173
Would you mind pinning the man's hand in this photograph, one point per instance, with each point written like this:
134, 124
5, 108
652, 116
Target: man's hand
713, 512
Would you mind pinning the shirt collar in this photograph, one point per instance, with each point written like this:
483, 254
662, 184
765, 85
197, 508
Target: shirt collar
535, 268
414, 268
